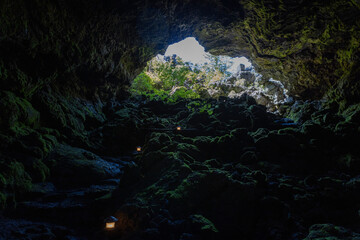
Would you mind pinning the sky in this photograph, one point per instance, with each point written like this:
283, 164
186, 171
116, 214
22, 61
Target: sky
189, 50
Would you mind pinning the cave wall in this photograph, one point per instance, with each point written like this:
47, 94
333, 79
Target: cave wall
53, 43
63, 63
311, 46
94, 48
91, 48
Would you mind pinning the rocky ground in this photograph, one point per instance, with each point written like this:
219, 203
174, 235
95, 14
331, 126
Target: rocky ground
234, 171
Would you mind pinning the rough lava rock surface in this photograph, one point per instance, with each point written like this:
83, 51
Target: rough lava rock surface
68, 129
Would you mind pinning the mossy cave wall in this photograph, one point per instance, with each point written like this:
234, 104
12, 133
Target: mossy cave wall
311, 46
64, 62
94, 48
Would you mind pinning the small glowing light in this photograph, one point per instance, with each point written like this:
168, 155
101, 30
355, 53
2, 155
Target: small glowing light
138, 149
110, 222
178, 128
110, 225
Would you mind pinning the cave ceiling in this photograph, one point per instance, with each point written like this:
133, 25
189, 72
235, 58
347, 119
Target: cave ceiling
95, 48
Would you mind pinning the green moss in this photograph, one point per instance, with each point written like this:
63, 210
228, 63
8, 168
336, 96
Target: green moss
355, 3
205, 224
48, 142
158, 140
201, 140
201, 107
292, 131
181, 191
227, 138
186, 147
3, 72
345, 57
156, 190
41, 170
13, 178
352, 113
330, 232
17, 112
107, 196
18, 178
145, 53
302, 50
19, 129
187, 192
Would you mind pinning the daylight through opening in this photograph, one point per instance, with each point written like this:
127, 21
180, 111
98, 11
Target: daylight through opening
187, 71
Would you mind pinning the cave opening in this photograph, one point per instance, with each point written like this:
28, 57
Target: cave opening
99, 140
187, 71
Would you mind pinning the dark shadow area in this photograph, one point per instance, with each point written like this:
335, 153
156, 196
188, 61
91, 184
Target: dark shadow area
80, 148
236, 172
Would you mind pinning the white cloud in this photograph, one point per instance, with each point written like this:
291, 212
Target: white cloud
189, 50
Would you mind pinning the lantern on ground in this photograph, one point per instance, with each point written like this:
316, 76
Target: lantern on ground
178, 128
138, 149
110, 222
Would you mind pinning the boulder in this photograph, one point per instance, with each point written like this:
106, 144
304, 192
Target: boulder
78, 167
330, 231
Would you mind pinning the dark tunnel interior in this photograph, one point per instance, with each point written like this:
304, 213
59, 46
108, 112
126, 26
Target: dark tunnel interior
106, 133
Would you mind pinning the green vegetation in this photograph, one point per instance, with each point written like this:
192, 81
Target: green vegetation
174, 80
205, 224
17, 112
164, 82
13, 179
201, 106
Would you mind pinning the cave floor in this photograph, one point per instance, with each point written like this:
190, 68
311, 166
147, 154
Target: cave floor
233, 171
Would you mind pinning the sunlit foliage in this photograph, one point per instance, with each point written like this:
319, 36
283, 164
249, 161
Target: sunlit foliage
172, 79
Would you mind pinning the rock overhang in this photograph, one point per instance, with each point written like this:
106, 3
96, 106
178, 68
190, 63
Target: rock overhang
311, 47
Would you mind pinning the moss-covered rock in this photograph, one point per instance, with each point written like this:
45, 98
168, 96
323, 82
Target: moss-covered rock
330, 231
17, 113
311, 54
204, 224
61, 61
14, 179
249, 157
75, 166
40, 170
